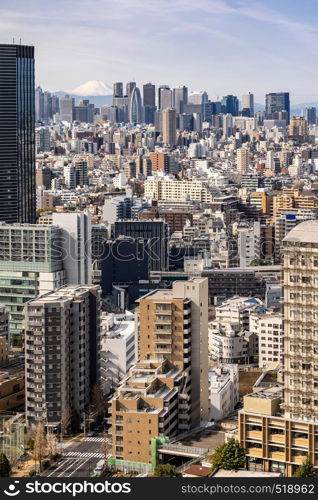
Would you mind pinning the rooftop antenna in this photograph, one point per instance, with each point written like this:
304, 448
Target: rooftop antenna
13, 41
20, 41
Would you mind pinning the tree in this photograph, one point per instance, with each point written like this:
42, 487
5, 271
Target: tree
306, 469
166, 470
66, 420
105, 446
40, 444
229, 456
5, 467
51, 444
98, 401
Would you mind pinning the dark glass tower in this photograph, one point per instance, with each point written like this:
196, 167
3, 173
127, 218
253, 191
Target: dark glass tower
17, 136
277, 102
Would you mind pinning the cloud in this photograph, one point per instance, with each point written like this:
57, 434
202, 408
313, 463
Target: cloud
224, 46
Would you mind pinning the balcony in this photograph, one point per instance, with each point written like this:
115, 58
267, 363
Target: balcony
255, 452
277, 455
254, 434
302, 442
166, 312
163, 341
163, 350
277, 438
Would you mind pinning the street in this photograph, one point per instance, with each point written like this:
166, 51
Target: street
79, 458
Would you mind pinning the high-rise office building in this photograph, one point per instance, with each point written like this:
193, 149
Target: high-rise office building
135, 106
180, 97
310, 115
155, 233
164, 97
62, 330
277, 102
169, 126
118, 89
227, 125
149, 94
230, 105
67, 104
248, 104
17, 134
198, 97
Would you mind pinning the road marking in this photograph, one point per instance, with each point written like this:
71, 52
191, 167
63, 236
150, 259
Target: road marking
80, 465
86, 454
73, 463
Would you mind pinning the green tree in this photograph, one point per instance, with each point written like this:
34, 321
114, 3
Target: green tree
166, 470
229, 456
306, 469
5, 466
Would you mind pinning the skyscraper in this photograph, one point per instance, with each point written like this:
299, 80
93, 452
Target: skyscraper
135, 107
230, 105
180, 97
17, 134
276, 102
248, 104
169, 126
67, 104
164, 97
310, 115
118, 89
149, 94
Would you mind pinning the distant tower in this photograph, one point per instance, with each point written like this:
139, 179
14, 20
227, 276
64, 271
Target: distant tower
248, 104
149, 94
118, 89
169, 126
135, 108
17, 134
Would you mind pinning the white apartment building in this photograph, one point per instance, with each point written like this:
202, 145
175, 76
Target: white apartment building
223, 390
180, 190
269, 329
236, 311
117, 348
76, 244
227, 347
249, 243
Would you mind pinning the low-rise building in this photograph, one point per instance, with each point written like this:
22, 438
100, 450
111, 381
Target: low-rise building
268, 327
116, 348
223, 391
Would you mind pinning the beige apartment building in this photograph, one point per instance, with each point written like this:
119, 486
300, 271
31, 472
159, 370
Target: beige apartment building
281, 430
166, 392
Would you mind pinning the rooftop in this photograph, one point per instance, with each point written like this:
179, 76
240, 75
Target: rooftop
305, 232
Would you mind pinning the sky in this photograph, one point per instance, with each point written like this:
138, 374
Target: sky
222, 46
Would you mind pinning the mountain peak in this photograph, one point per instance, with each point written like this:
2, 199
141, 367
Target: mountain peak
92, 88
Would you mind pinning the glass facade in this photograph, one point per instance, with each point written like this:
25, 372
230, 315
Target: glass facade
17, 134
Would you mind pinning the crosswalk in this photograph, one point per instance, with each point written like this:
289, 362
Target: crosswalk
80, 454
96, 439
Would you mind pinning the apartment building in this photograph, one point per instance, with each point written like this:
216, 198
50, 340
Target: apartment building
62, 329
300, 303
30, 265
268, 328
179, 190
174, 326
223, 390
166, 392
117, 348
279, 426
146, 406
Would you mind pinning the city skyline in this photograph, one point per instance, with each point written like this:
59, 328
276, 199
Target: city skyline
234, 41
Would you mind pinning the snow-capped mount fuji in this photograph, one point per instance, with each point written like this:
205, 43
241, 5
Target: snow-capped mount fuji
92, 88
